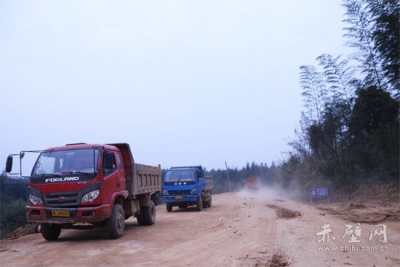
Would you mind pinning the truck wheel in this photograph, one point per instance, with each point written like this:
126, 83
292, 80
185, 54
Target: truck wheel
209, 202
50, 231
149, 214
116, 224
139, 218
169, 207
38, 228
199, 204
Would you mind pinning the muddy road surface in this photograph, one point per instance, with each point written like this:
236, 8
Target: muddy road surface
240, 229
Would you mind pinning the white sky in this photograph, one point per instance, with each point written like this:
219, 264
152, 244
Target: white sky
183, 82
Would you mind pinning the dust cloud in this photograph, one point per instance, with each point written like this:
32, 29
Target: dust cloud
267, 193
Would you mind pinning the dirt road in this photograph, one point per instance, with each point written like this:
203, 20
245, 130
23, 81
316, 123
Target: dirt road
240, 229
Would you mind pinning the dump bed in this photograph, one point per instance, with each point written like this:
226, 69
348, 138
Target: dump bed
146, 179
140, 178
209, 183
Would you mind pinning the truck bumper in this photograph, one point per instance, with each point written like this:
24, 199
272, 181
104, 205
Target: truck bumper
181, 199
68, 215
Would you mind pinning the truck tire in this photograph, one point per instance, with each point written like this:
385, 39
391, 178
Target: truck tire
149, 213
116, 224
50, 231
139, 218
205, 203
199, 204
38, 228
209, 202
169, 207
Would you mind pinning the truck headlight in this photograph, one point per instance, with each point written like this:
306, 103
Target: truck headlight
193, 192
165, 193
35, 200
89, 197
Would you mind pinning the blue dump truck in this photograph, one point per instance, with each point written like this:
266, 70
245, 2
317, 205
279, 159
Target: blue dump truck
187, 186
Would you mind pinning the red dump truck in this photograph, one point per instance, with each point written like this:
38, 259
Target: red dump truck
252, 183
83, 186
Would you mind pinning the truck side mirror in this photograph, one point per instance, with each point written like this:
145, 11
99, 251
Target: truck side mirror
9, 164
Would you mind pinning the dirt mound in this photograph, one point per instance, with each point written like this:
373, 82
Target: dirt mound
284, 213
23, 231
368, 204
278, 260
357, 206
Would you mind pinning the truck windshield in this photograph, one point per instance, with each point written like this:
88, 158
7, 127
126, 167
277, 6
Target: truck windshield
67, 161
180, 176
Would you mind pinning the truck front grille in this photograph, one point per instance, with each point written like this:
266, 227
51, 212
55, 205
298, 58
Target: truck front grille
179, 192
62, 199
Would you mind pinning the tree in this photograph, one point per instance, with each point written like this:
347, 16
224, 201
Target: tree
314, 92
360, 37
374, 130
350, 128
374, 32
386, 37
339, 77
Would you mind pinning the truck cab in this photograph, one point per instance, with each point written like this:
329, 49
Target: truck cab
187, 186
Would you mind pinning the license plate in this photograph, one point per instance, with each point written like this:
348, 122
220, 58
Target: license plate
60, 213
179, 197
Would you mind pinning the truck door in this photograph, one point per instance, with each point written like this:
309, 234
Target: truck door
111, 176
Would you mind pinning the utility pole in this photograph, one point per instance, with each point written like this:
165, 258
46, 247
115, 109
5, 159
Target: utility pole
229, 180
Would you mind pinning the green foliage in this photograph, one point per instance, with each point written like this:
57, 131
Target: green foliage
339, 78
12, 216
374, 132
314, 91
359, 34
350, 129
386, 36
291, 170
373, 30
13, 199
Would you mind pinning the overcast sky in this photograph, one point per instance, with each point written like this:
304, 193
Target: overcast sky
183, 82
